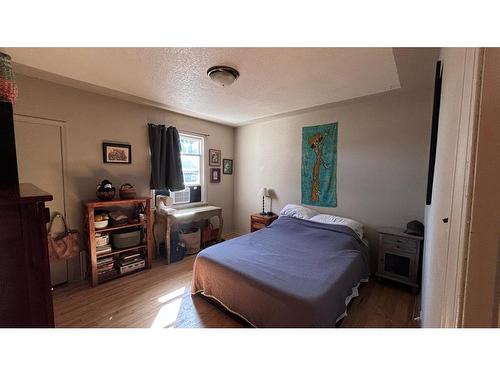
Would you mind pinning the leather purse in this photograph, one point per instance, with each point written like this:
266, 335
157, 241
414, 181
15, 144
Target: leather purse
65, 245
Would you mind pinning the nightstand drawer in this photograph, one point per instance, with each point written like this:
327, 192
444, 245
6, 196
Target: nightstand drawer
257, 226
399, 243
259, 219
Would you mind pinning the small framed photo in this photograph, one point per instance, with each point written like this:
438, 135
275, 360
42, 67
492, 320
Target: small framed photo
215, 175
116, 153
214, 157
227, 166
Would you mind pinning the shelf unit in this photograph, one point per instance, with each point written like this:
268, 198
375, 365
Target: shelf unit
89, 210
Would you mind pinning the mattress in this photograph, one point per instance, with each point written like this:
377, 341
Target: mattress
294, 273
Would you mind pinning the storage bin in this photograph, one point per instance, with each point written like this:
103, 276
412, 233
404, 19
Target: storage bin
191, 239
126, 238
101, 240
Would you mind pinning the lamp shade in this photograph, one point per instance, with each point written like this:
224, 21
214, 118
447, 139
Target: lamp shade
263, 192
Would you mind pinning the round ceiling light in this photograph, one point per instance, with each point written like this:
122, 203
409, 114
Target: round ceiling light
223, 75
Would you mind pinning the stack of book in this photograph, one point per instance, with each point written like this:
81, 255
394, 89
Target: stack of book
105, 266
103, 250
130, 261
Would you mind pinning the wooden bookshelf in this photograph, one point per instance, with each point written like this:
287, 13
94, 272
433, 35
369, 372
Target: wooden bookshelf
91, 231
116, 227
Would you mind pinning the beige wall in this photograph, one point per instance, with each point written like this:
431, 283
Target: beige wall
383, 145
92, 118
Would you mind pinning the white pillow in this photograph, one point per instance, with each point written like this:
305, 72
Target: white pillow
299, 212
357, 227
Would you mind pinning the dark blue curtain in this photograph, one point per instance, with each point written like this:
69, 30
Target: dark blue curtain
166, 167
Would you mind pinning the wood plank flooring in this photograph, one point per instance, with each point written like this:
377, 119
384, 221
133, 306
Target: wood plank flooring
161, 297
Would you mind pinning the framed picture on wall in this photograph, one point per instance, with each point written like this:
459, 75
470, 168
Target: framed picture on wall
227, 166
215, 175
118, 153
214, 157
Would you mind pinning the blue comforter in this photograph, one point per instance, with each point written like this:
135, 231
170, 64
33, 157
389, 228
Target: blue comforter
294, 273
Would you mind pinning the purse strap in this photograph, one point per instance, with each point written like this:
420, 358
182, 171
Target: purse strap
54, 217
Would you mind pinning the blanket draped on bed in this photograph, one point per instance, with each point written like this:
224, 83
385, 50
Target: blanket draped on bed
294, 273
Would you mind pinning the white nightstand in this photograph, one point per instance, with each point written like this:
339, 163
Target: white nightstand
400, 256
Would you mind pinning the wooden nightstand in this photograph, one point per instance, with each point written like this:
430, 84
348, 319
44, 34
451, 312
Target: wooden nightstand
259, 221
400, 256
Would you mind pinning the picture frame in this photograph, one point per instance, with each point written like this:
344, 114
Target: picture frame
214, 158
227, 166
116, 153
215, 175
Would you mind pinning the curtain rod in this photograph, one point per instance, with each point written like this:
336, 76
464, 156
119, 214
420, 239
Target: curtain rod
194, 133
189, 132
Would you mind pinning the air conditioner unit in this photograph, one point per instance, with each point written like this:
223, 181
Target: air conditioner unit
181, 196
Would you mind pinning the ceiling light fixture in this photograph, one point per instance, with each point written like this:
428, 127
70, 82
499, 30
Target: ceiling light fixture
223, 75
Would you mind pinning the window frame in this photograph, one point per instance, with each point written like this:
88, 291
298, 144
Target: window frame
202, 170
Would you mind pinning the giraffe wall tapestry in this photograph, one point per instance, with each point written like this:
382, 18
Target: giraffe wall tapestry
319, 165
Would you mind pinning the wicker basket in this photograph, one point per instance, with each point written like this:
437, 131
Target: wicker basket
127, 191
105, 195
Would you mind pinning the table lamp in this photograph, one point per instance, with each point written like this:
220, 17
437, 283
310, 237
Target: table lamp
263, 193
270, 195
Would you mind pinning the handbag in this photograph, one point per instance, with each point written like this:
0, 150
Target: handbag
64, 246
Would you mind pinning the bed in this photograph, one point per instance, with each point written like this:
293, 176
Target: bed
294, 273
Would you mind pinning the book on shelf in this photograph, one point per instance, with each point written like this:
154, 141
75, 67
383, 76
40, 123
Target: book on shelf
105, 269
106, 260
129, 255
122, 262
100, 250
111, 271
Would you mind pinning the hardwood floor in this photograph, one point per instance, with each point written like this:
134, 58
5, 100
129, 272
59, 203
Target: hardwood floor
161, 297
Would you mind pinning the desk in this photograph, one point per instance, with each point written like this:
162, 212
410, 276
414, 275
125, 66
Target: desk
184, 216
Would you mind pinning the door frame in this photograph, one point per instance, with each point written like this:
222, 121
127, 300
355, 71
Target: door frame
61, 125
463, 174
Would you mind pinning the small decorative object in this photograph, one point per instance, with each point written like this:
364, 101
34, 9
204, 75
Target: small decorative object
319, 165
415, 228
263, 193
138, 215
8, 87
117, 217
116, 153
105, 190
227, 166
214, 174
142, 212
214, 158
127, 191
101, 221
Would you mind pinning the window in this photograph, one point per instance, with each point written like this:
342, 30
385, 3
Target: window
192, 159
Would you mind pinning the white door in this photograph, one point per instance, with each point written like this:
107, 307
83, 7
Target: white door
40, 162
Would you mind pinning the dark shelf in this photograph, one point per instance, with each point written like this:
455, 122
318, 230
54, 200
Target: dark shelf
116, 227
117, 275
118, 251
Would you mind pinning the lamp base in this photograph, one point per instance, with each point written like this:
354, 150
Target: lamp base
263, 213
269, 213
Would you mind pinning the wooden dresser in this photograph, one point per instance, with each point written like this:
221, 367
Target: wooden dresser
259, 221
25, 290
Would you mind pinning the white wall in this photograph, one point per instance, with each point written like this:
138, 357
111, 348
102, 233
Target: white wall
383, 144
92, 118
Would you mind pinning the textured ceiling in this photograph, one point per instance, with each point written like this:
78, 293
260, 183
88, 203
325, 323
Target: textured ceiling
272, 81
